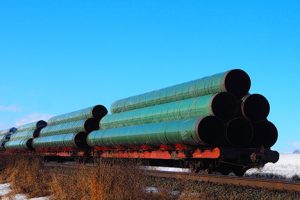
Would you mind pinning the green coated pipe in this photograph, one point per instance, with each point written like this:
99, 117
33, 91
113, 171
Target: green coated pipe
234, 81
32, 126
69, 140
26, 134
22, 144
96, 112
196, 131
222, 105
71, 127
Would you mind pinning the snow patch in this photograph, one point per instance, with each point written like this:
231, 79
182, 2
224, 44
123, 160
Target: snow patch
287, 166
5, 190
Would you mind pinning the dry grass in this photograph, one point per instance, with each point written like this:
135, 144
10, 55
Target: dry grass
107, 181
115, 181
26, 176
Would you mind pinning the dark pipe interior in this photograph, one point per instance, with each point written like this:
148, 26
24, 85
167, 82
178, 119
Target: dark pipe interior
80, 140
239, 132
99, 111
237, 82
41, 124
210, 129
36, 133
224, 105
13, 130
266, 134
29, 144
91, 125
255, 107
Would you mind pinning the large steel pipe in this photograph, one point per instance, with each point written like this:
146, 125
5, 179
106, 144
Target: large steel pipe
96, 112
222, 105
239, 132
203, 131
32, 126
265, 134
87, 126
255, 107
68, 140
235, 81
21, 144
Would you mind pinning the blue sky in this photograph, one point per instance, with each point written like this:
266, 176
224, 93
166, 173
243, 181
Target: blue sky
59, 56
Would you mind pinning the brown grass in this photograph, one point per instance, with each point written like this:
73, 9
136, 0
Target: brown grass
115, 181
26, 176
107, 181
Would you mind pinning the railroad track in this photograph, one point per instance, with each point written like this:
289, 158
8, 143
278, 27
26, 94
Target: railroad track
269, 184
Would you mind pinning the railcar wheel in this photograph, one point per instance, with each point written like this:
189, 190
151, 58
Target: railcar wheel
239, 172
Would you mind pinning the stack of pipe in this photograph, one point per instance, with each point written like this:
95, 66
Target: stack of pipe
23, 136
5, 136
213, 111
71, 129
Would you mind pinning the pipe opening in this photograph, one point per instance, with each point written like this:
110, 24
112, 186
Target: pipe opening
91, 125
80, 140
210, 129
239, 132
41, 124
255, 107
36, 133
99, 111
237, 82
29, 144
266, 134
224, 105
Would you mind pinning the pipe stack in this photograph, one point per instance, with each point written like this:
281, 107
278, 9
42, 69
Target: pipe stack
23, 136
5, 136
212, 111
71, 129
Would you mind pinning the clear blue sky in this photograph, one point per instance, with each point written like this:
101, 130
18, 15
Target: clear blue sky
59, 56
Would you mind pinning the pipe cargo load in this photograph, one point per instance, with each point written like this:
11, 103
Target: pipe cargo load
222, 105
234, 81
96, 112
22, 138
197, 131
71, 129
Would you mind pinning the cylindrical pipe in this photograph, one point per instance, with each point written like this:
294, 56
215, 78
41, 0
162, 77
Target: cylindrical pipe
41, 124
203, 131
87, 126
265, 134
96, 112
58, 141
255, 107
239, 132
32, 126
234, 81
222, 105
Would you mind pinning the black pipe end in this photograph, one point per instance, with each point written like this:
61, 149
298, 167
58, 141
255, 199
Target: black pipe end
91, 124
80, 140
239, 132
99, 111
29, 144
41, 124
210, 129
255, 107
265, 134
237, 82
224, 105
